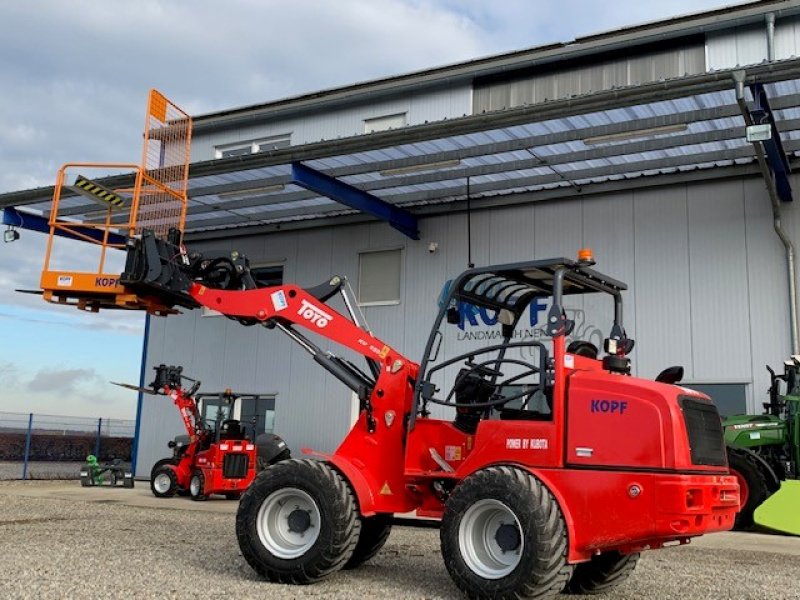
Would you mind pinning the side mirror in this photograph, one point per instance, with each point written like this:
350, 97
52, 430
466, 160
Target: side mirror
670, 375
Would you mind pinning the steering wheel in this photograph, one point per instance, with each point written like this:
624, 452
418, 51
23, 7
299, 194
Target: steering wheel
482, 370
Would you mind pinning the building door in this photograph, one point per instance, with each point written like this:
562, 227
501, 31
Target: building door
258, 411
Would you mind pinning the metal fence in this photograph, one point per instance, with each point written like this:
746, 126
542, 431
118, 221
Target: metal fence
34, 446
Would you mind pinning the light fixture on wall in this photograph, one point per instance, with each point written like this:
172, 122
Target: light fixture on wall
10, 235
635, 134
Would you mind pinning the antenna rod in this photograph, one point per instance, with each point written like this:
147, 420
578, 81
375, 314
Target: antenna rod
470, 264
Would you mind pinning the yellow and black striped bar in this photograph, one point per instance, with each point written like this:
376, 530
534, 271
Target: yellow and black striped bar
97, 192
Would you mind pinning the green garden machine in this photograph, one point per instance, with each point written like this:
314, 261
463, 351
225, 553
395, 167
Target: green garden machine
114, 473
764, 454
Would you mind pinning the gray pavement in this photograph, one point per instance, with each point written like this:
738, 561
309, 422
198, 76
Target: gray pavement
58, 540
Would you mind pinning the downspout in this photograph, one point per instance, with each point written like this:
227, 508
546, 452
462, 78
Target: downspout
770, 17
738, 77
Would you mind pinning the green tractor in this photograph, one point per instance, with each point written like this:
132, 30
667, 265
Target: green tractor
764, 454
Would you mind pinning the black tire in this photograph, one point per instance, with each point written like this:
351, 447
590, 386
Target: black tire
128, 481
374, 533
602, 573
329, 497
155, 482
197, 486
541, 569
233, 495
747, 469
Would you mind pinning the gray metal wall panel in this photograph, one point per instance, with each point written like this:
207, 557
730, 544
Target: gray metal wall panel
601, 75
663, 310
718, 282
608, 230
748, 45
768, 291
435, 105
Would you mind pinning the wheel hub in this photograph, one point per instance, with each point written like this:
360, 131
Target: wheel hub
508, 537
288, 523
162, 483
490, 539
299, 520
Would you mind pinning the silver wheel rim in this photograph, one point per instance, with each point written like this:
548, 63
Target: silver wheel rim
194, 486
288, 523
478, 535
162, 483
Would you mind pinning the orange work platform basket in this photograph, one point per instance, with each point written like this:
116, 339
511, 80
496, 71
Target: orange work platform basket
105, 215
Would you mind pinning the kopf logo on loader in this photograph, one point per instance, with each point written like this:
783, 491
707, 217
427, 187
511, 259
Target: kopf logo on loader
609, 406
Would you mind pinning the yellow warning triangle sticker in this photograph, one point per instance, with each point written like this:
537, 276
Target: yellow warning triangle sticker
386, 490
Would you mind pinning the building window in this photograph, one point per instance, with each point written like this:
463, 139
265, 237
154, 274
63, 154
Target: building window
265, 275
729, 398
385, 122
379, 277
266, 144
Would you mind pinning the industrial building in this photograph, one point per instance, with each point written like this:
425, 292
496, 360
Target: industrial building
633, 143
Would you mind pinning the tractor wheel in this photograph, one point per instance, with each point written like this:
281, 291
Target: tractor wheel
374, 533
298, 522
163, 482
503, 536
753, 489
603, 572
197, 485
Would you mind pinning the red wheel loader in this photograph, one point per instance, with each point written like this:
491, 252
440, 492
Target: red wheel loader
556, 470
212, 458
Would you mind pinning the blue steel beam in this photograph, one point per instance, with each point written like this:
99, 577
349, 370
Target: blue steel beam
23, 220
773, 147
351, 196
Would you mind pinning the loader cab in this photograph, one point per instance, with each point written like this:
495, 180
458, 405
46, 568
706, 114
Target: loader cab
515, 370
219, 416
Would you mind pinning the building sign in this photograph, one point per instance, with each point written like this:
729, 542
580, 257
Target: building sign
480, 324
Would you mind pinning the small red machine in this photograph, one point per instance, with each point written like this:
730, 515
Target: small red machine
557, 470
218, 458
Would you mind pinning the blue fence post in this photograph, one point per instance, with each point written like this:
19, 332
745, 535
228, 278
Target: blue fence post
97, 440
27, 447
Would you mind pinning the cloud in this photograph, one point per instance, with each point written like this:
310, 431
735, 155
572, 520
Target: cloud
62, 380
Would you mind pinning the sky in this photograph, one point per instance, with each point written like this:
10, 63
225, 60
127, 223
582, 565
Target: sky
74, 78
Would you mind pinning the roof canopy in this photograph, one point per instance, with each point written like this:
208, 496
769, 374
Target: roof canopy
559, 148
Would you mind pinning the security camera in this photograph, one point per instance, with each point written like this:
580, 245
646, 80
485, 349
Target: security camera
433, 247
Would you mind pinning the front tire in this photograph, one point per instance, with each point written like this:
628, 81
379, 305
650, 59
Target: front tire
374, 533
753, 489
197, 486
503, 536
298, 522
602, 573
163, 482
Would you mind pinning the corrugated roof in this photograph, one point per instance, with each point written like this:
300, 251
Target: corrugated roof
691, 123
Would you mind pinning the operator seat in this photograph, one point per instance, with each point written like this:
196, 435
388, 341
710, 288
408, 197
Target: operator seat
231, 429
582, 348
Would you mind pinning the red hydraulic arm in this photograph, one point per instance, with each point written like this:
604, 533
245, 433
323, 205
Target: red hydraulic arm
290, 304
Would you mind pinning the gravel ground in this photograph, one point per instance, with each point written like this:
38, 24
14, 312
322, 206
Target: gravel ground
57, 548
41, 470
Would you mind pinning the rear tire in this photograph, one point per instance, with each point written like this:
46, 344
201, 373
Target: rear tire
197, 486
374, 533
602, 573
163, 482
503, 536
297, 522
753, 488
